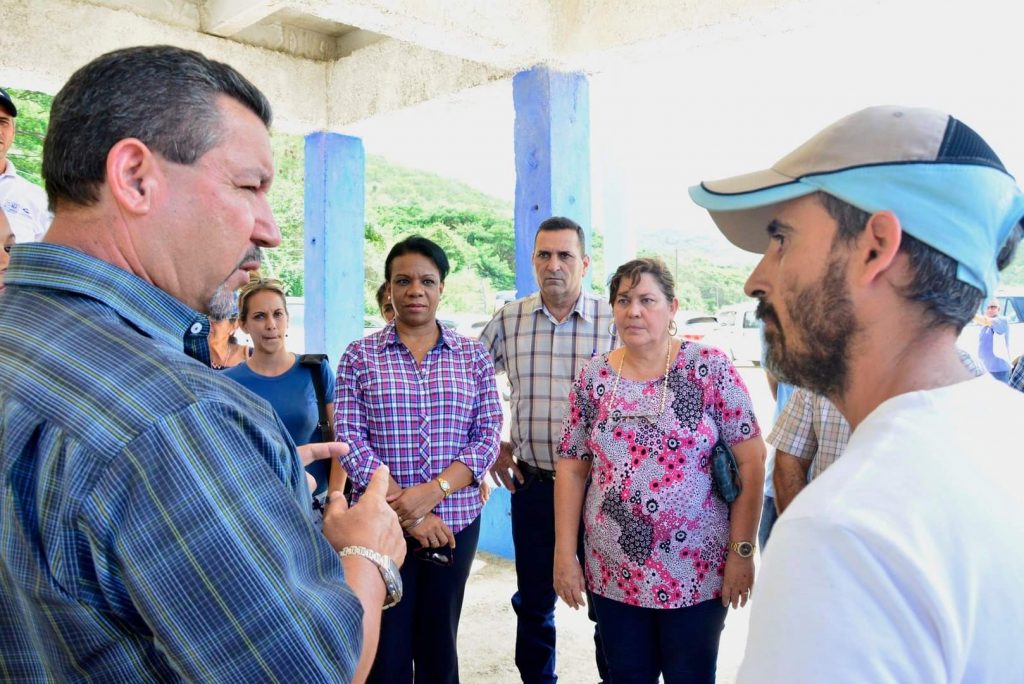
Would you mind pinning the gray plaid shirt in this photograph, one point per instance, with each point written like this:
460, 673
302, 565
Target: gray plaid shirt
542, 358
812, 429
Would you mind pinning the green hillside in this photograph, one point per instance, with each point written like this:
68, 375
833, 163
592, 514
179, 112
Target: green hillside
474, 228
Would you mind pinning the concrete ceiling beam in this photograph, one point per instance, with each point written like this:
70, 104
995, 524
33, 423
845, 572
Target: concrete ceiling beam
49, 41
391, 75
229, 17
504, 35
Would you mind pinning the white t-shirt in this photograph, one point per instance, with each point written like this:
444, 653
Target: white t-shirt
901, 563
25, 206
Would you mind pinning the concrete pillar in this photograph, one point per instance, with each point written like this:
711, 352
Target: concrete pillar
552, 145
335, 215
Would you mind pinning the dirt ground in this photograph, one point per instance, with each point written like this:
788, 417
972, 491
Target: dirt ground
487, 632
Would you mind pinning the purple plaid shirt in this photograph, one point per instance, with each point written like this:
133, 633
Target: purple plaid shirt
419, 420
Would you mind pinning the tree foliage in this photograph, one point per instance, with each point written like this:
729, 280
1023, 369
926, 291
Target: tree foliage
33, 119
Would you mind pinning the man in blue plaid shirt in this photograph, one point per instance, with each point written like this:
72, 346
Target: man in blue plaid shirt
155, 521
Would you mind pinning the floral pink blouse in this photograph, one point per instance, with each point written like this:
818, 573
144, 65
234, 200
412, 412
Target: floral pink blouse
655, 531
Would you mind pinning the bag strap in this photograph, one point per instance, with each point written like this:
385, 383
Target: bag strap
314, 362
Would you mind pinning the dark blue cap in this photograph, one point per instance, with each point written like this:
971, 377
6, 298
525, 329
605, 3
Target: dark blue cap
7, 103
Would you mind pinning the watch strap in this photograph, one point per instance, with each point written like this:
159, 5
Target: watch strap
446, 487
388, 571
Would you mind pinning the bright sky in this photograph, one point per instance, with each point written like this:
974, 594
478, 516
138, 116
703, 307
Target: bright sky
701, 107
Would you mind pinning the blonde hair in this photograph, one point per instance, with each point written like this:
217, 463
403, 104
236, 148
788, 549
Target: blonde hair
257, 283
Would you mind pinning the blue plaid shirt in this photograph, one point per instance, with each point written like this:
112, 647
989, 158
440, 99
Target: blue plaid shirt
154, 524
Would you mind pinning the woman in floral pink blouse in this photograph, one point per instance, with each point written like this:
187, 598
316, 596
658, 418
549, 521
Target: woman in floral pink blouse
665, 554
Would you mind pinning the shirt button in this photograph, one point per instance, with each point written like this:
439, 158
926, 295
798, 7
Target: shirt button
196, 328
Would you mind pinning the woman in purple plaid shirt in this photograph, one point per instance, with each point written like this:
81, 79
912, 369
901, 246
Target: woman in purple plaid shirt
421, 398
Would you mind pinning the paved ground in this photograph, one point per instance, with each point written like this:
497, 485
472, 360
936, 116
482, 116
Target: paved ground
487, 630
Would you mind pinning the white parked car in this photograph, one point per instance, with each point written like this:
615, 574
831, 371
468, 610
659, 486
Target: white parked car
738, 333
694, 326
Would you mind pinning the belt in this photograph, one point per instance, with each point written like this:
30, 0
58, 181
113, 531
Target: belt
539, 473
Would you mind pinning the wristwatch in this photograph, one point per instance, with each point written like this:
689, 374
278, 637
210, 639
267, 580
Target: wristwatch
744, 548
446, 487
388, 571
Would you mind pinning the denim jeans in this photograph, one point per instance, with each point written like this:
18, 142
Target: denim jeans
423, 627
768, 518
680, 644
533, 534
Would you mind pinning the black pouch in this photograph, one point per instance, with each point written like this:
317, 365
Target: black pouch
724, 472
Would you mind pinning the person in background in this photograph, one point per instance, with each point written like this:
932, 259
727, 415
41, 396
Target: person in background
665, 555
781, 392
275, 374
7, 241
808, 437
23, 202
880, 236
540, 342
421, 399
225, 352
994, 342
384, 305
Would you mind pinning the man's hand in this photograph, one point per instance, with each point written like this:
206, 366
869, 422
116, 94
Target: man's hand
315, 452
321, 450
432, 533
505, 463
370, 523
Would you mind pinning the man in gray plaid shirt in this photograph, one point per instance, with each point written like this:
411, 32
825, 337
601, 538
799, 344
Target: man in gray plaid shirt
541, 342
808, 437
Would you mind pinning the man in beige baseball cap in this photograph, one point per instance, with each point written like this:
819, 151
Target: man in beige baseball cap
881, 236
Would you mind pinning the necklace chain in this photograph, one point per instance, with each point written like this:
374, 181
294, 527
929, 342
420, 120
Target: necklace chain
664, 384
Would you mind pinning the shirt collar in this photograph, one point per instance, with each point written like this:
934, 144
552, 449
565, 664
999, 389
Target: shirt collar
389, 337
10, 170
148, 308
580, 308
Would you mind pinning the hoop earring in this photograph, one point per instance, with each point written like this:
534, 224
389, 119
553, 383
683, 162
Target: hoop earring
612, 330
673, 328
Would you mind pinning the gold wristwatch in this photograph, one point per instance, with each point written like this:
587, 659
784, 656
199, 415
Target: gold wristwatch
745, 549
388, 571
446, 487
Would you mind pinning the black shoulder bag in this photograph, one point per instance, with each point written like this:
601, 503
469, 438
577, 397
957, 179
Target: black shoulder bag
314, 362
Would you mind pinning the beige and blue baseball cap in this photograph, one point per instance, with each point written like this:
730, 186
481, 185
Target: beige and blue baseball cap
940, 178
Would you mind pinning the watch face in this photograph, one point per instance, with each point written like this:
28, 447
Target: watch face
745, 549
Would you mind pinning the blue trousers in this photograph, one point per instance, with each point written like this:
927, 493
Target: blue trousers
680, 644
533, 534
768, 517
418, 636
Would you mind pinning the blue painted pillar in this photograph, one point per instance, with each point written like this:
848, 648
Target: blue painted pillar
552, 144
335, 214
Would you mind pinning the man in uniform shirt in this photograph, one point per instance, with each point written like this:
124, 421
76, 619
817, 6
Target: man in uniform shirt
23, 202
